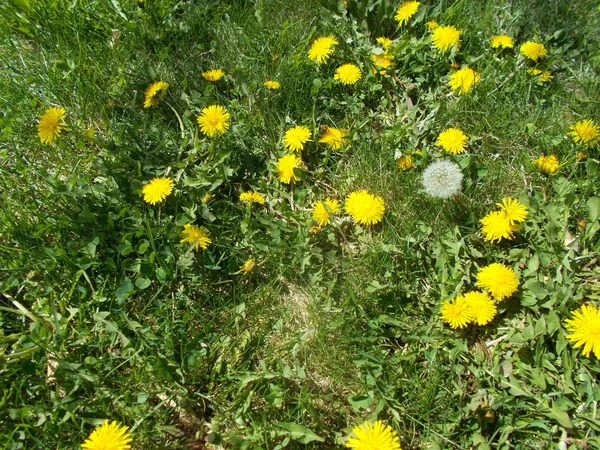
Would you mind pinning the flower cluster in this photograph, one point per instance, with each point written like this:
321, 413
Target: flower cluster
502, 224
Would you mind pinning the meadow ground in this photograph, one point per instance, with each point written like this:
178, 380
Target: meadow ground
221, 305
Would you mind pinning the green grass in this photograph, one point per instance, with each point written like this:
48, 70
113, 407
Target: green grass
105, 315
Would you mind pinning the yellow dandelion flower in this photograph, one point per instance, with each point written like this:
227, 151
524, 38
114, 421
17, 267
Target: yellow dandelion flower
533, 50
206, 198
294, 138
456, 313
452, 140
322, 48
157, 190
513, 210
405, 162
108, 436
384, 42
270, 84
381, 61
252, 197
498, 280
585, 132
496, 226
213, 120
51, 124
444, 38
376, 436
213, 74
482, 306
581, 156
432, 25
543, 77
365, 208
548, 164
334, 137
463, 80
584, 329
248, 266
347, 74
198, 237
286, 166
502, 41
405, 11
322, 211
154, 92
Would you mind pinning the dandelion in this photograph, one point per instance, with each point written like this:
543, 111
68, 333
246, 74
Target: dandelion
322, 48
108, 436
270, 84
584, 329
482, 307
213, 74
322, 211
386, 43
432, 25
365, 208
405, 11
452, 140
463, 80
347, 74
533, 50
157, 190
252, 197
585, 132
543, 77
498, 280
51, 124
334, 137
197, 236
286, 166
496, 226
513, 210
377, 436
456, 313
248, 266
581, 156
206, 198
442, 179
213, 120
548, 164
444, 38
154, 92
381, 62
405, 162
502, 41
294, 138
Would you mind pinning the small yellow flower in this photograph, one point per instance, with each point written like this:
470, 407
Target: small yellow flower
533, 50
206, 198
456, 313
365, 208
405, 162
295, 137
213, 120
463, 80
322, 211
496, 226
405, 11
498, 280
286, 166
51, 124
548, 164
322, 48
543, 77
381, 62
444, 38
482, 306
581, 156
270, 84
584, 330
157, 190
585, 132
108, 436
502, 41
513, 210
252, 197
452, 140
377, 436
196, 236
384, 42
348, 74
154, 92
213, 74
248, 266
432, 25
334, 137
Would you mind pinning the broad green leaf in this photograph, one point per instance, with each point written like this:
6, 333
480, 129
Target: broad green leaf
560, 416
299, 433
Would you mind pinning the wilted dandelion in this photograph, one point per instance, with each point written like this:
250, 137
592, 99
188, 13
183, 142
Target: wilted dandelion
347, 74
444, 38
585, 132
248, 266
543, 77
378, 435
197, 236
154, 92
157, 190
498, 280
51, 124
456, 313
496, 226
286, 166
270, 84
463, 80
365, 208
584, 329
334, 137
295, 137
533, 50
405, 162
581, 156
442, 179
322, 48
405, 11
252, 197
482, 307
513, 210
502, 41
213, 74
322, 211
213, 120
452, 140
108, 436
548, 164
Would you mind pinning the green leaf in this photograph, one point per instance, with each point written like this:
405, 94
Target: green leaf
299, 433
560, 416
593, 205
142, 283
537, 288
125, 290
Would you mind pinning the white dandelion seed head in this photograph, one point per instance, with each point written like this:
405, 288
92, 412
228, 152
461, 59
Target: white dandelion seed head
442, 179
